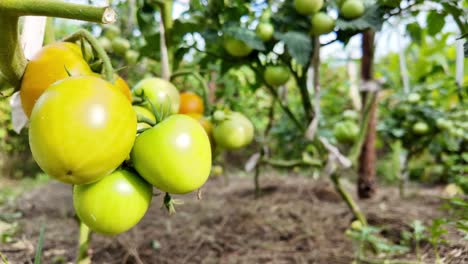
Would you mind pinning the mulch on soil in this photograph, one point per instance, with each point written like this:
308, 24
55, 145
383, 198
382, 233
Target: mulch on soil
297, 220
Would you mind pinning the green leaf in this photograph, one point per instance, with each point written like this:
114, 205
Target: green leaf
414, 31
40, 242
435, 22
247, 36
298, 44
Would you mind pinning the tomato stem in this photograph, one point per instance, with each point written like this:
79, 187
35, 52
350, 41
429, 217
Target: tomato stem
83, 244
348, 199
84, 34
169, 204
12, 60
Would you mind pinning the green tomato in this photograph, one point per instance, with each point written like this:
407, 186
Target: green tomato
322, 24
420, 128
236, 131
351, 115
81, 129
413, 98
346, 131
276, 75
236, 48
308, 7
105, 43
161, 94
120, 46
111, 31
217, 170
131, 57
174, 155
443, 124
219, 115
114, 204
352, 9
265, 31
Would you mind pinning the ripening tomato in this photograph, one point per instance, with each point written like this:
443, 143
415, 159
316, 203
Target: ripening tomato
235, 132
276, 75
120, 83
235, 47
191, 103
81, 129
52, 63
114, 204
174, 155
162, 94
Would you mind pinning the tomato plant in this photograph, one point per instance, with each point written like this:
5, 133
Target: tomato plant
234, 132
58, 60
174, 155
81, 129
162, 95
114, 204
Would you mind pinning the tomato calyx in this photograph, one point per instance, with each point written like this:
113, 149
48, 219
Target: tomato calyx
160, 113
169, 203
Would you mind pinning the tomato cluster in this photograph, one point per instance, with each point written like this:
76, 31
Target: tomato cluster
85, 131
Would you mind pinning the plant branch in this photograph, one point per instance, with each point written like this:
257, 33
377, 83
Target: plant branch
348, 199
313, 126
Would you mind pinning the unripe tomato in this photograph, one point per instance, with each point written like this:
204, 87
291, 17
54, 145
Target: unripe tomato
265, 31
346, 131
322, 24
276, 75
131, 57
120, 46
162, 94
46, 67
114, 204
111, 31
420, 128
352, 9
351, 115
235, 132
443, 124
308, 7
217, 170
120, 83
105, 43
174, 155
236, 48
414, 98
219, 115
191, 103
81, 129
206, 124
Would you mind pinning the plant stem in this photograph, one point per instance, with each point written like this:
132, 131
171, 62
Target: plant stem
84, 34
356, 149
348, 199
54, 8
292, 163
285, 108
12, 60
313, 126
83, 244
49, 34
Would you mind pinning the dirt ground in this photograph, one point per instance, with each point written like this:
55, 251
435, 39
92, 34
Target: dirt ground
297, 220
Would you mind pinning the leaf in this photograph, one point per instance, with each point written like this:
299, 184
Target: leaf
298, 45
40, 242
247, 36
435, 22
414, 31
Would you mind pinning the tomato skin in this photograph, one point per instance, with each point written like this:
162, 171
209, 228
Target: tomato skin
81, 129
235, 132
174, 156
346, 131
322, 24
236, 48
414, 98
420, 128
46, 67
206, 124
131, 57
352, 9
308, 7
265, 31
276, 75
122, 85
120, 46
114, 204
161, 93
111, 31
191, 103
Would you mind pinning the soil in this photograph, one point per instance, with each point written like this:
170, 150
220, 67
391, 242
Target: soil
296, 220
